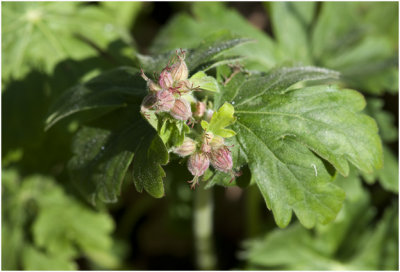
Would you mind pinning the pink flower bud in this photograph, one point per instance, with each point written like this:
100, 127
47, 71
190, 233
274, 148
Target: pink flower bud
165, 79
200, 109
165, 100
198, 163
181, 110
221, 159
187, 148
179, 70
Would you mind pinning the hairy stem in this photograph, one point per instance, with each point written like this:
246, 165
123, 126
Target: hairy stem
203, 229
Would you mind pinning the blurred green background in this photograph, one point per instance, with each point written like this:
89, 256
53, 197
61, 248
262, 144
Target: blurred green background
49, 47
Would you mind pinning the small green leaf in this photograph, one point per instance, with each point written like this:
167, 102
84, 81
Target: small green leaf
172, 132
204, 124
204, 82
221, 119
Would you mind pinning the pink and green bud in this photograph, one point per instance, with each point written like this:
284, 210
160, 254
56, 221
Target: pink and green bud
200, 109
217, 142
165, 100
221, 159
179, 70
187, 148
165, 79
181, 110
198, 163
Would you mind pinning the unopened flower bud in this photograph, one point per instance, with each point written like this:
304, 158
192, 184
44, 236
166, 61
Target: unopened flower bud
165, 100
187, 148
148, 102
200, 109
205, 147
179, 70
217, 142
198, 163
221, 159
165, 79
181, 110
208, 114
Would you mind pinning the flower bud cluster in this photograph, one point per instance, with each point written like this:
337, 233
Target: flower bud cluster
210, 150
169, 95
166, 96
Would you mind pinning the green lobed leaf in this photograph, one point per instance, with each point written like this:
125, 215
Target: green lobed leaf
291, 21
206, 54
172, 132
147, 172
287, 134
352, 242
204, 82
221, 119
358, 44
109, 91
102, 157
184, 30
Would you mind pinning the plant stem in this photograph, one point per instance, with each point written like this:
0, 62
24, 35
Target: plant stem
203, 229
253, 198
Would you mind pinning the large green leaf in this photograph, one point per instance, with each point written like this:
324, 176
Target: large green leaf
288, 134
185, 31
104, 150
352, 242
291, 21
40, 34
361, 43
106, 92
206, 53
358, 44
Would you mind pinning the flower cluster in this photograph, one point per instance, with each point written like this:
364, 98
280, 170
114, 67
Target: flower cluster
166, 96
170, 96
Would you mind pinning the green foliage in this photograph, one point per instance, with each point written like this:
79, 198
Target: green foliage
42, 34
104, 150
202, 57
40, 227
287, 134
204, 82
184, 31
291, 130
358, 43
351, 242
221, 119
